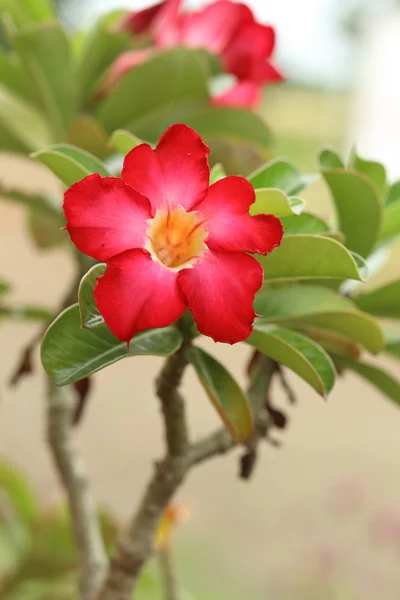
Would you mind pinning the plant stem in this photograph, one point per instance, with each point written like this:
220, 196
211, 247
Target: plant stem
93, 559
171, 588
137, 545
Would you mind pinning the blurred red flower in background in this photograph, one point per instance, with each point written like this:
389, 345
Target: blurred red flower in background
225, 28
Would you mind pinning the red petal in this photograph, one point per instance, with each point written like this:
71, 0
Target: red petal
246, 94
175, 173
214, 26
229, 225
220, 291
248, 51
137, 293
140, 21
105, 216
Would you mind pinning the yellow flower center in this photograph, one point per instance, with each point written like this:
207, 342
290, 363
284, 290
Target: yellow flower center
176, 238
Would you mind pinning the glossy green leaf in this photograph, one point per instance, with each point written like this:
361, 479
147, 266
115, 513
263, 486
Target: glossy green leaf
123, 141
310, 257
217, 172
391, 221
382, 302
224, 392
275, 202
303, 306
26, 12
232, 124
329, 159
153, 88
280, 174
16, 489
304, 223
70, 353
70, 164
90, 316
101, 46
23, 121
371, 169
45, 56
297, 352
393, 193
381, 379
358, 207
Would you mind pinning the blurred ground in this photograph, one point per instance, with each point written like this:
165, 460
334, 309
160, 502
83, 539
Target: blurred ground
320, 507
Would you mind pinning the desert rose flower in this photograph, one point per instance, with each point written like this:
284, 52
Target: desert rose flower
225, 28
171, 241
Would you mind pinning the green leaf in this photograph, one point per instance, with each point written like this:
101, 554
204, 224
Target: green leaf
310, 257
304, 223
22, 312
12, 76
358, 207
4, 287
233, 124
45, 56
46, 230
101, 46
70, 353
88, 134
41, 203
391, 221
392, 342
280, 174
329, 159
382, 302
303, 306
23, 122
393, 193
275, 202
225, 394
17, 490
217, 173
25, 12
90, 316
378, 377
123, 141
70, 164
297, 352
375, 172
153, 88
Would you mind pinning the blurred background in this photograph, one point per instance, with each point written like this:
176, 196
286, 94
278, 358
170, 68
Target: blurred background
320, 518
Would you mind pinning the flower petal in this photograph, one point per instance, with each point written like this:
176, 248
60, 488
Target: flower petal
105, 216
141, 20
175, 173
229, 225
214, 26
246, 94
220, 291
249, 50
137, 293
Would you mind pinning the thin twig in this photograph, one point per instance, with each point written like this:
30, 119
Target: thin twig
171, 587
137, 545
93, 559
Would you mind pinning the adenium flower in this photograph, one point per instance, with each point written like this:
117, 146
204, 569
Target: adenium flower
171, 241
225, 28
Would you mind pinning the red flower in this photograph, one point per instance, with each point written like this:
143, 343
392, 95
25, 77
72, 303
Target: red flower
171, 241
245, 93
225, 28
